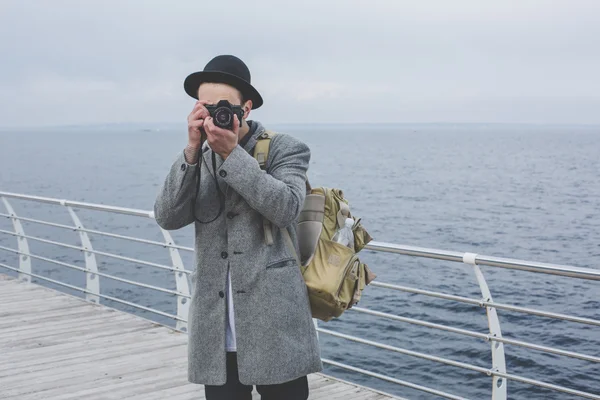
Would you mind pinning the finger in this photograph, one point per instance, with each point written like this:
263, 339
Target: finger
209, 125
236, 124
202, 102
196, 123
201, 113
208, 133
209, 128
199, 107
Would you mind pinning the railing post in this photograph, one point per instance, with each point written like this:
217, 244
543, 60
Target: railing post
92, 280
22, 244
499, 385
181, 282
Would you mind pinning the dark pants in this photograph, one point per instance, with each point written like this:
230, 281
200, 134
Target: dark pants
296, 389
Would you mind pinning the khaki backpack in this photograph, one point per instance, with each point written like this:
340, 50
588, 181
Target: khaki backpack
333, 273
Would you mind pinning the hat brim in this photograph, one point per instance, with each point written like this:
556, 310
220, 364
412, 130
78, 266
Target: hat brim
193, 81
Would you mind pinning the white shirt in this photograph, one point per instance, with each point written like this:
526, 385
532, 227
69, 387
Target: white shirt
230, 344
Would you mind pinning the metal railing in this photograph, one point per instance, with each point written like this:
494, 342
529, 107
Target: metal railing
497, 371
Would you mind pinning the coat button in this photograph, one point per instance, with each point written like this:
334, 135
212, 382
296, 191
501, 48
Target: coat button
221, 294
183, 167
224, 255
223, 173
231, 215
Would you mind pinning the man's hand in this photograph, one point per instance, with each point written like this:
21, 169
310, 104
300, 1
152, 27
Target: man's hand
222, 141
195, 121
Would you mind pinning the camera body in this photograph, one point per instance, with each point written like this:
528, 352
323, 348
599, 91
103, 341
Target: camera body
223, 112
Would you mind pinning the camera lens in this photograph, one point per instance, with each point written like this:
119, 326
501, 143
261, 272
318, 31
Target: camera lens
223, 117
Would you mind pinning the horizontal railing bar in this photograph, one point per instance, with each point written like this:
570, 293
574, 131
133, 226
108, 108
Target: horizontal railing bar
483, 303
547, 349
175, 317
96, 294
538, 267
532, 311
44, 278
100, 253
78, 204
100, 233
64, 264
407, 352
486, 337
446, 361
546, 268
547, 385
422, 323
393, 380
508, 263
414, 251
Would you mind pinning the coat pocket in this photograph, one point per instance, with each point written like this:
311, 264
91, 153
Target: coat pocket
286, 262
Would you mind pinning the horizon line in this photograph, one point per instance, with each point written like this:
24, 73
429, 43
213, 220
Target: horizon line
154, 124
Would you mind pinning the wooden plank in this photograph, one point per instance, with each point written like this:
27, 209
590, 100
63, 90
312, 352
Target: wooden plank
145, 385
34, 306
56, 318
87, 343
91, 344
29, 308
102, 352
82, 321
33, 312
81, 337
347, 392
88, 375
27, 292
326, 391
37, 330
76, 319
185, 392
108, 387
74, 367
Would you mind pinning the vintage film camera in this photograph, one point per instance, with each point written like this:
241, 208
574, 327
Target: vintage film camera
222, 114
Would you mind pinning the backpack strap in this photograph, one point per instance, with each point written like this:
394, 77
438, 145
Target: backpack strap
261, 154
261, 149
290, 245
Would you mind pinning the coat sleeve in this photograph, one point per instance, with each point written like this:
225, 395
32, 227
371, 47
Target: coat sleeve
173, 205
278, 195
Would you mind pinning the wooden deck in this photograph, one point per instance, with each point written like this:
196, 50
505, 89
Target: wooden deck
54, 346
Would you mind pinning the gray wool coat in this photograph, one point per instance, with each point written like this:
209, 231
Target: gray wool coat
275, 336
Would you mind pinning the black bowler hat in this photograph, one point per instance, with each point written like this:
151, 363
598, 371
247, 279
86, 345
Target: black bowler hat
224, 69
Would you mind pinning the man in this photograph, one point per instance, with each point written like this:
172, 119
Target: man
249, 319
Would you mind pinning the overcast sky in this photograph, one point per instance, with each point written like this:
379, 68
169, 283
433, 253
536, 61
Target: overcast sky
89, 61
